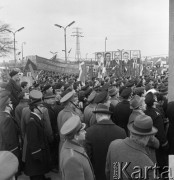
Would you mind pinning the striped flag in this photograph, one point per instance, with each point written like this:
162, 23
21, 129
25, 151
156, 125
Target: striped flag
82, 74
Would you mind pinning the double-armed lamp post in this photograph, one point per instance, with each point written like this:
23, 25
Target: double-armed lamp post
65, 35
14, 48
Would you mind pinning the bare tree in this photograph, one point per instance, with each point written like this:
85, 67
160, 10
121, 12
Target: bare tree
6, 43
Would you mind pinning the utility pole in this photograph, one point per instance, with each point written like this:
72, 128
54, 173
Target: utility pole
77, 34
171, 51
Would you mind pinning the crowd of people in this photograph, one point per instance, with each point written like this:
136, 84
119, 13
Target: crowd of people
108, 128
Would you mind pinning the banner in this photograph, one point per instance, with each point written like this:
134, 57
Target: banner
82, 74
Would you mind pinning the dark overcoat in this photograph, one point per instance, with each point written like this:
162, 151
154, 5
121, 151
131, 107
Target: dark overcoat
121, 114
9, 134
37, 152
170, 115
98, 138
161, 153
14, 92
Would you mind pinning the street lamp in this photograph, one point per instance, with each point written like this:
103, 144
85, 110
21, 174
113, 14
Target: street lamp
65, 35
14, 33
23, 43
105, 43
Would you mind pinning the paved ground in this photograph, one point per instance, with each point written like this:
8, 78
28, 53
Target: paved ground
53, 176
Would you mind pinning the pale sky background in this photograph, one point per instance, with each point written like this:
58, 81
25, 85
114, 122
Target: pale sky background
127, 24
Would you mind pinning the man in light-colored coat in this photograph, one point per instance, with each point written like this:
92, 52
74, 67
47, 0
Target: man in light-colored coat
74, 162
124, 155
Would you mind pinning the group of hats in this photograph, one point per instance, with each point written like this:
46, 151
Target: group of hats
74, 125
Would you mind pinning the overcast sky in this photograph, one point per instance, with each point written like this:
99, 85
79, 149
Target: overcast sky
127, 24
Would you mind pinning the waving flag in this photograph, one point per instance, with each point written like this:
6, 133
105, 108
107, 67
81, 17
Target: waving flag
82, 74
53, 58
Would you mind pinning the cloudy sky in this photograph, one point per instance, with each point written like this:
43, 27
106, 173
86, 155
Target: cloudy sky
127, 24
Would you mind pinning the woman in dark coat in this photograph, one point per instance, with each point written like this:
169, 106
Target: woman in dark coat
37, 153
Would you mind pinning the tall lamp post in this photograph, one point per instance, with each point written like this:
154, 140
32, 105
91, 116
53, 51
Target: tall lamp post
23, 43
65, 35
14, 33
105, 42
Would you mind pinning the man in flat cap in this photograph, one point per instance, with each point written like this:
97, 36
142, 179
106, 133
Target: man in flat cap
98, 138
37, 161
131, 152
14, 88
74, 162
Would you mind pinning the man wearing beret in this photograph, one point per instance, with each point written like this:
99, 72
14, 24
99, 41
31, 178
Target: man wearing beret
74, 162
14, 88
98, 138
125, 156
37, 161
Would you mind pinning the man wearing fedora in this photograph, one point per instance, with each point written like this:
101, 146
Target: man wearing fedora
113, 93
98, 138
137, 104
74, 162
131, 153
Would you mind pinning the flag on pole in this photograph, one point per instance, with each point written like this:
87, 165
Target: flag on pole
32, 71
54, 58
82, 74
